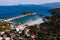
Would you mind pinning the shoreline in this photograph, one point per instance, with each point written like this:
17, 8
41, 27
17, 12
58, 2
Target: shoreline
29, 23
22, 26
33, 22
13, 18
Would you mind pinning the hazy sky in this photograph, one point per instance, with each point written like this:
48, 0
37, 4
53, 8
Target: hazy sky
16, 2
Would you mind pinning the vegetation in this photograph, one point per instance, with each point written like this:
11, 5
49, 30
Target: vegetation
4, 26
53, 22
50, 30
28, 12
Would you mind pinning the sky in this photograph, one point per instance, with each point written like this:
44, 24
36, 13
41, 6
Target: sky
17, 2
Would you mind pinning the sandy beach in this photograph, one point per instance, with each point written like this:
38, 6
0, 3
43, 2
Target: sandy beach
33, 22
30, 23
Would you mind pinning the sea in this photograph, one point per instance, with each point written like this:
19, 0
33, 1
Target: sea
16, 10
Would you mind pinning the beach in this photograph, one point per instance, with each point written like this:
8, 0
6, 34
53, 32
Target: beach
30, 23
33, 22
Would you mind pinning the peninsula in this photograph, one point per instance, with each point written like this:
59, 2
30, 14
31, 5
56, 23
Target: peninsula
23, 15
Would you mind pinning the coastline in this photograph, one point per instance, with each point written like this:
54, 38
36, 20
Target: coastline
30, 23
13, 18
33, 22
22, 26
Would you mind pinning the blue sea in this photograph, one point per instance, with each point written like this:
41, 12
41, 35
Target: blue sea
16, 10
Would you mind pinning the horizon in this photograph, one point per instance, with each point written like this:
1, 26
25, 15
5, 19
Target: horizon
31, 4
25, 2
